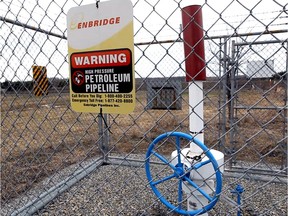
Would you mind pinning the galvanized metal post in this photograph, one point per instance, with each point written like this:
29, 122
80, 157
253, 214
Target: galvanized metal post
103, 133
106, 137
231, 101
224, 93
285, 159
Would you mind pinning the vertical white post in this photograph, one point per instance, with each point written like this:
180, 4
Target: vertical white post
196, 126
196, 116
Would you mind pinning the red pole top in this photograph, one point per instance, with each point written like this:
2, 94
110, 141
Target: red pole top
193, 43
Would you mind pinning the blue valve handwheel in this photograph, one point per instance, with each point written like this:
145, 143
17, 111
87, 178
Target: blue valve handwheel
182, 174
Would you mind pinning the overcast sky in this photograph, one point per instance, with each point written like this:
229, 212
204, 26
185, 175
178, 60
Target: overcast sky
21, 48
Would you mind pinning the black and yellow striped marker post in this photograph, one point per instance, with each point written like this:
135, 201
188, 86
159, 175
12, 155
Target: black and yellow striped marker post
40, 80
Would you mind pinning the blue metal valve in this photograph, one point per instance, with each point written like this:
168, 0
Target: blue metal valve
238, 191
182, 174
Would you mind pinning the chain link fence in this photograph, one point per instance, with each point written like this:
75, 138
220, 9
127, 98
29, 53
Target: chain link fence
55, 161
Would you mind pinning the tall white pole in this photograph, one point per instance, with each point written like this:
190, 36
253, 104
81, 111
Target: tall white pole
196, 116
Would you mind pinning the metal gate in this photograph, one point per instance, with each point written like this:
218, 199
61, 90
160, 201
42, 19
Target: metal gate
259, 70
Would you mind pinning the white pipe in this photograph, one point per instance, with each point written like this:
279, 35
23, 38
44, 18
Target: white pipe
196, 126
196, 116
204, 175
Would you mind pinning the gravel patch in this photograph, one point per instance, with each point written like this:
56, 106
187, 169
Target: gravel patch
42, 187
124, 190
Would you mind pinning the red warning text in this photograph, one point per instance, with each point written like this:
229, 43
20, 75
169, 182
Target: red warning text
101, 59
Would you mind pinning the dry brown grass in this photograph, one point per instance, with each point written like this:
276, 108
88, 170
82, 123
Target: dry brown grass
40, 136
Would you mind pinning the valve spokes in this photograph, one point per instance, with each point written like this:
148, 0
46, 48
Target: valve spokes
180, 170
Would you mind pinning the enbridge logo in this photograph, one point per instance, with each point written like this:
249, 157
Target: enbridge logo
98, 22
75, 20
78, 22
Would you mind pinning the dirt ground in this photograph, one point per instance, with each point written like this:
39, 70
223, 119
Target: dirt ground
42, 135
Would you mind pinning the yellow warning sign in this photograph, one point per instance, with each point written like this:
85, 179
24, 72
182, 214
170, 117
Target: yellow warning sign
101, 57
40, 80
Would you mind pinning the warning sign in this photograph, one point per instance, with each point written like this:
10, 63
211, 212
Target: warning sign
108, 71
100, 45
40, 80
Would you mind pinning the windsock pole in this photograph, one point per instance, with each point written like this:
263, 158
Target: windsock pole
195, 74
195, 69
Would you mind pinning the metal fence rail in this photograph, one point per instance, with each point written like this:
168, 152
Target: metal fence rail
55, 161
